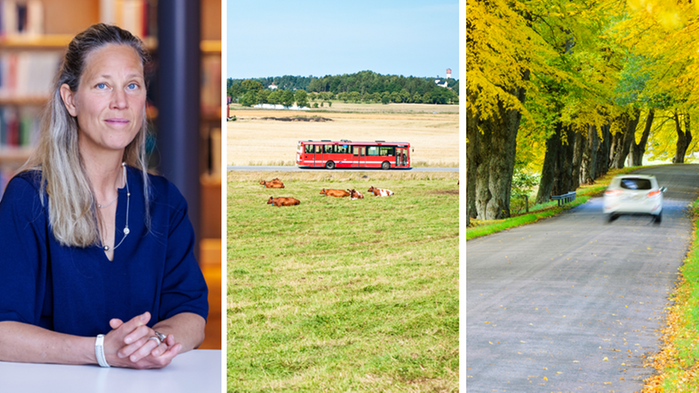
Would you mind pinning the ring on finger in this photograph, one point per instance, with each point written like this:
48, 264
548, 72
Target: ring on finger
156, 338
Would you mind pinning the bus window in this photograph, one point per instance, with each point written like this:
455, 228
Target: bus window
373, 151
387, 151
309, 149
328, 148
355, 151
319, 149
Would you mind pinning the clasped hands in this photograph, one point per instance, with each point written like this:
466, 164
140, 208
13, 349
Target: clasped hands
129, 344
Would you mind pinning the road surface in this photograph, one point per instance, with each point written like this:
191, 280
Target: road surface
573, 303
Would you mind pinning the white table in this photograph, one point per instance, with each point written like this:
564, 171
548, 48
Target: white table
194, 371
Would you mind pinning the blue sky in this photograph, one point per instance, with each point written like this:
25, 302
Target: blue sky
313, 37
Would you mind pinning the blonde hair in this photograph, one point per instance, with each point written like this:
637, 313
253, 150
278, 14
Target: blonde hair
72, 206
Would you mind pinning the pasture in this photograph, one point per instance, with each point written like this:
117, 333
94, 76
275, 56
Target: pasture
432, 130
340, 295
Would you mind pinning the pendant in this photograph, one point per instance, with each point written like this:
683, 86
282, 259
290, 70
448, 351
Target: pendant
106, 248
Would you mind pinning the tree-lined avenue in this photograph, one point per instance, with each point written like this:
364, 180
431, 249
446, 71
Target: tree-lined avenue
574, 303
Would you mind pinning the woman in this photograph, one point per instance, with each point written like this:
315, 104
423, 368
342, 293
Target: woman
96, 255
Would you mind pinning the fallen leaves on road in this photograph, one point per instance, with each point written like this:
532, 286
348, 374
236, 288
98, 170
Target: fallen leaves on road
675, 367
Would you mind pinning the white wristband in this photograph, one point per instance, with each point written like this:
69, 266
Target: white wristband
99, 351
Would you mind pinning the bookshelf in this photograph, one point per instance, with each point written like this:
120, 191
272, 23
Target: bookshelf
35, 46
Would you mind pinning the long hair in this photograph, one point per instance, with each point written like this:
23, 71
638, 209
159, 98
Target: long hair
72, 206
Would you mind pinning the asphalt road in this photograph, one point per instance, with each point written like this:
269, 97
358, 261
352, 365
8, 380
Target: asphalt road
572, 303
297, 169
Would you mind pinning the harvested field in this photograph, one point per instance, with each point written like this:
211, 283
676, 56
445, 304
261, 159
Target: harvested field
269, 137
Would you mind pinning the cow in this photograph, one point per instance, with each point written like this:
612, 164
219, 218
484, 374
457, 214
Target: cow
354, 194
283, 201
275, 180
380, 191
334, 193
272, 184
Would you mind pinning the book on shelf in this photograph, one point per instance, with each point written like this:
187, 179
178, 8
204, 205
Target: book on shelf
211, 85
137, 16
21, 18
27, 74
19, 126
215, 162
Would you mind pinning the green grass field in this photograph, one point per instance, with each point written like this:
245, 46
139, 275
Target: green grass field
340, 295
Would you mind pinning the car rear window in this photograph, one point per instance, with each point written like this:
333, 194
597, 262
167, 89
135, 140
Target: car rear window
636, 184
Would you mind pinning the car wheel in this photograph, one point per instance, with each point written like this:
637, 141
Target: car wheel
611, 217
329, 165
658, 219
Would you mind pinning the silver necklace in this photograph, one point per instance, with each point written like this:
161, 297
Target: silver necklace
128, 199
109, 204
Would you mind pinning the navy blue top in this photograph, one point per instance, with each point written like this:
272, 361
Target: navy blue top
78, 290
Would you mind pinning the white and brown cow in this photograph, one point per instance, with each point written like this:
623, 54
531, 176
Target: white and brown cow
354, 194
380, 191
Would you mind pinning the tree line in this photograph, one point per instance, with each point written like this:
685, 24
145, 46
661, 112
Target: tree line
365, 86
568, 90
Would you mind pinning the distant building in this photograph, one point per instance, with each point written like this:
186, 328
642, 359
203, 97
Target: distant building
448, 73
273, 86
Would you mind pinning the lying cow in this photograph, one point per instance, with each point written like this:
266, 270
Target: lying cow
283, 201
275, 180
272, 184
354, 194
334, 193
380, 191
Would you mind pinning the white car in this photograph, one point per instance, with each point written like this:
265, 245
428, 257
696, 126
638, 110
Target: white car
631, 194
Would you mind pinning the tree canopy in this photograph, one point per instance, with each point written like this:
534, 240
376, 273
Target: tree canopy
580, 86
364, 86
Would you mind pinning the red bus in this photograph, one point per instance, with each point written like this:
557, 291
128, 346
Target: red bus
348, 154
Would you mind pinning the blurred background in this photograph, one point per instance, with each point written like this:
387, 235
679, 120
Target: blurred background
184, 99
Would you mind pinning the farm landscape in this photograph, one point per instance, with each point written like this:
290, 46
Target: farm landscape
432, 130
335, 294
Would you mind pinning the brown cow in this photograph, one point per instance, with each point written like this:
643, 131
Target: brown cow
380, 191
283, 201
275, 180
354, 194
334, 193
272, 184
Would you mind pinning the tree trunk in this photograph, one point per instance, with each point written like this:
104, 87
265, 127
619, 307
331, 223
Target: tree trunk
683, 138
553, 145
564, 170
640, 149
603, 150
490, 161
473, 160
588, 167
579, 146
557, 172
623, 142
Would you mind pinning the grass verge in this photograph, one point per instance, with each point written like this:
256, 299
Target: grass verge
340, 295
480, 228
677, 363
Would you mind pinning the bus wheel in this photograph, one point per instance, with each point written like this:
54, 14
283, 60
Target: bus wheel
385, 165
329, 165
